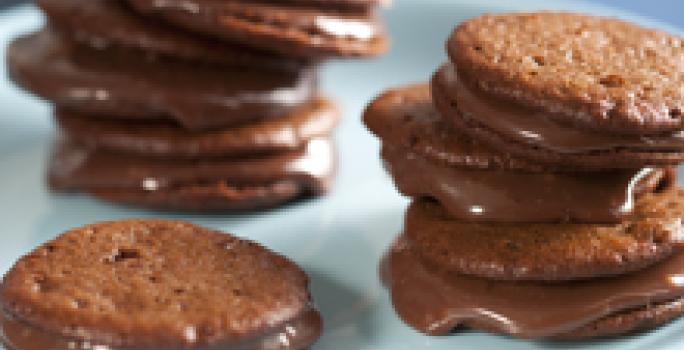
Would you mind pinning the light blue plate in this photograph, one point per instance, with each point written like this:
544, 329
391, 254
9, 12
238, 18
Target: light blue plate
338, 239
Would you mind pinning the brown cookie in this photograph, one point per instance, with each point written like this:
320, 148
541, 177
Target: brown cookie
475, 183
312, 29
437, 302
509, 251
155, 284
123, 84
592, 72
203, 184
289, 132
111, 25
529, 134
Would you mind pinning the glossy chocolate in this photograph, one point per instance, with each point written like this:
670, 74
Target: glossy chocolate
307, 29
75, 167
517, 196
123, 84
287, 133
296, 334
436, 302
531, 126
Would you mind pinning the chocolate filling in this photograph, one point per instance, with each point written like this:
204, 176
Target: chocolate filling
76, 167
517, 196
538, 128
127, 85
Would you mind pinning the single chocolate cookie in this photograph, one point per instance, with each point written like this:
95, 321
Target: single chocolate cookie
155, 284
112, 25
590, 72
475, 183
529, 133
289, 132
509, 251
203, 184
437, 302
312, 29
124, 84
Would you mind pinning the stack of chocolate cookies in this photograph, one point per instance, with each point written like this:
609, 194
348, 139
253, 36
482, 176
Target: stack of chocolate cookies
540, 163
192, 105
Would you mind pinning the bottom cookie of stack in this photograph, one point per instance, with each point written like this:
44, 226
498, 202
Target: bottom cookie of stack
436, 286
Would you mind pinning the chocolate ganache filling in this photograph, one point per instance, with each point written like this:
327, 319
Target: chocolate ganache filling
540, 128
74, 167
518, 196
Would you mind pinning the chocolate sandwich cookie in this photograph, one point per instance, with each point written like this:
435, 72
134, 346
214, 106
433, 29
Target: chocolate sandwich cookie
123, 84
548, 252
304, 28
477, 183
112, 25
591, 93
154, 284
289, 132
437, 302
218, 183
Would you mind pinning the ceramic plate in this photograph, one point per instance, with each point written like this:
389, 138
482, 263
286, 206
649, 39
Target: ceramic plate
338, 239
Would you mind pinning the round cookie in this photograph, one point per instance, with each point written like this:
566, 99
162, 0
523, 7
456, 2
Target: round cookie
155, 284
524, 133
289, 132
111, 25
312, 29
509, 251
123, 84
203, 184
438, 302
591, 72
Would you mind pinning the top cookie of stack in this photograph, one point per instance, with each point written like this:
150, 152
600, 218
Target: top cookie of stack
202, 104
541, 152
567, 90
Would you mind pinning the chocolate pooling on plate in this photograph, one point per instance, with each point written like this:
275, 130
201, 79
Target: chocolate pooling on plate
436, 302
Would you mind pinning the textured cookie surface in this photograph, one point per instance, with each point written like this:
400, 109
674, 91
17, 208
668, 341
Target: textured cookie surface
110, 24
549, 251
405, 117
312, 29
154, 282
289, 132
599, 73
